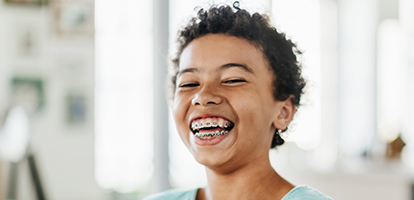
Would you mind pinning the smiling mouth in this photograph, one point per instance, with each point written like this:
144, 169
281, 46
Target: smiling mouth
211, 127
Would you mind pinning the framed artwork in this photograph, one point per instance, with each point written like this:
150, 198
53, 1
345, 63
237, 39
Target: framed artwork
28, 92
74, 17
27, 2
27, 41
75, 109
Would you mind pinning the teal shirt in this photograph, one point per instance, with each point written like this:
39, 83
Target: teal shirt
298, 193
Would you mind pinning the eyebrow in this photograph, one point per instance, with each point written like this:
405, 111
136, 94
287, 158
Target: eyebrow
187, 70
230, 65
225, 66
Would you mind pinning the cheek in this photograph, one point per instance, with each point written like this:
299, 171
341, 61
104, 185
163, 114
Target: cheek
248, 110
255, 111
180, 108
178, 105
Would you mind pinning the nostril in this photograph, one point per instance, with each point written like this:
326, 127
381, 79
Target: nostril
206, 98
195, 101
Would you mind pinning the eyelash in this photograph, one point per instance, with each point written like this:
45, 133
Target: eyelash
227, 82
234, 81
190, 85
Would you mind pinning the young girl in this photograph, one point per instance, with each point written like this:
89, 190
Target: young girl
237, 85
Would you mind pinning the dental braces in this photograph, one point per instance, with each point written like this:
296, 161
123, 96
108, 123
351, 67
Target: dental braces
197, 126
211, 134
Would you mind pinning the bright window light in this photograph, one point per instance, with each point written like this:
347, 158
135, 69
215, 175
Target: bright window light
392, 81
124, 97
300, 20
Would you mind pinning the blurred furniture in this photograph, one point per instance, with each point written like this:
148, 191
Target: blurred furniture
13, 177
395, 183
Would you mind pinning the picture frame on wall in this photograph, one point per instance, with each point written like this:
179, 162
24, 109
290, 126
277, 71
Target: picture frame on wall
74, 18
76, 109
27, 2
27, 40
28, 92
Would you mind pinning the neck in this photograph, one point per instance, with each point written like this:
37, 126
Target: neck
255, 180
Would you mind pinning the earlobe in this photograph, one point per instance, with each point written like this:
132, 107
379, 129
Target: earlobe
284, 114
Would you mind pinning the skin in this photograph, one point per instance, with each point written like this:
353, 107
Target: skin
229, 77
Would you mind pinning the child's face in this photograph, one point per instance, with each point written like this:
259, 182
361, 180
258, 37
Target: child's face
225, 79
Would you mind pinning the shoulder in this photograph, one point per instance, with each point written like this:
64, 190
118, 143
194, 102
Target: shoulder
174, 194
304, 192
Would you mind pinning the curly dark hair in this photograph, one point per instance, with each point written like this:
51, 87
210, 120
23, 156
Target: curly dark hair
256, 28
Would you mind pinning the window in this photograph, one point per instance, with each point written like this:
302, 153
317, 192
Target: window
124, 98
300, 20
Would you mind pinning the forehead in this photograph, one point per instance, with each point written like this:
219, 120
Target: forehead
214, 50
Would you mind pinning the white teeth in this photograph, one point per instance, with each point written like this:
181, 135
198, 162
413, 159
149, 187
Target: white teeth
194, 126
201, 123
226, 125
220, 123
210, 134
197, 126
208, 125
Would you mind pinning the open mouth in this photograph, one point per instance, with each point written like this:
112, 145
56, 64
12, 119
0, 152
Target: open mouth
211, 127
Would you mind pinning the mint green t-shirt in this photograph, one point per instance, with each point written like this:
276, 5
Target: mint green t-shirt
298, 193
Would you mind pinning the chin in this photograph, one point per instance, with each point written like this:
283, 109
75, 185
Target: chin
208, 161
211, 159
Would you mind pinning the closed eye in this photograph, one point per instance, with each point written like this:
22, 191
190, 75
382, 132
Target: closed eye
235, 81
189, 85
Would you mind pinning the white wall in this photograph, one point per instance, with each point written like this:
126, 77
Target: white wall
65, 153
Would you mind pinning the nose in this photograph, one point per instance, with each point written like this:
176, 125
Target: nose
207, 96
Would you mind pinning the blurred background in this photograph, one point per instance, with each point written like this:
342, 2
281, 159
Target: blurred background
83, 115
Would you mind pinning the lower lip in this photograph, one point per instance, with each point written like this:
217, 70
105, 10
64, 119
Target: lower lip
209, 141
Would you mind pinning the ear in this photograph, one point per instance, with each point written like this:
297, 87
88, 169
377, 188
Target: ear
284, 113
